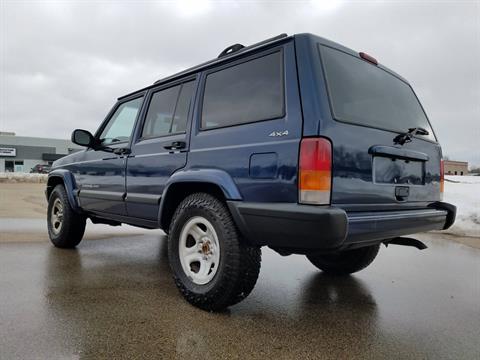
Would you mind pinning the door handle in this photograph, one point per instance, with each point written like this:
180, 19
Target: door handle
176, 145
402, 192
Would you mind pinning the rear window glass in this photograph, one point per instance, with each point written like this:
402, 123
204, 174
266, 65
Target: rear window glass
248, 92
179, 123
168, 111
160, 112
364, 94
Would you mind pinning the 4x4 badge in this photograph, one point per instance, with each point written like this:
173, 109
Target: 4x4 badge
278, 133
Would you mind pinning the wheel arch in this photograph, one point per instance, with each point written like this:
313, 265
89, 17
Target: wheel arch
65, 178
183, 183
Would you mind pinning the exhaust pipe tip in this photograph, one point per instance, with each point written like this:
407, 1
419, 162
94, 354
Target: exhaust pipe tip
406, 241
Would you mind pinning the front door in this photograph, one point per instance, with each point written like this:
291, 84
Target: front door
100, 175
161, 148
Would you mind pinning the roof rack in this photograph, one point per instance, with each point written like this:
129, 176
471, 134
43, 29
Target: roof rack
237, 47
227, 52
230, 51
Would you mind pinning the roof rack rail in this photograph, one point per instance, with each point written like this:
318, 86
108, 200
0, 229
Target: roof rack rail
237, 47
213, 61
231, 49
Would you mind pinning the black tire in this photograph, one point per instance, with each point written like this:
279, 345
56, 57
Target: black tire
238, 266
70, 232
345, 262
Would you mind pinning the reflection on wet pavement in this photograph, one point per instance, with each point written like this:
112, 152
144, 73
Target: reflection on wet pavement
115, 298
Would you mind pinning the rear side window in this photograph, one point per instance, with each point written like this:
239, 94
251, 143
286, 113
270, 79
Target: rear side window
248, 92
168, 111
365, 94
179, 123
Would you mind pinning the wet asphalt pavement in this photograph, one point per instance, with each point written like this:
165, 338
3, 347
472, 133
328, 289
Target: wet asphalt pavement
114, 298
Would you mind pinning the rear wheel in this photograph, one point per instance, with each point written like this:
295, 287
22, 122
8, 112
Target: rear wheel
211, 266
65, 226
345, 262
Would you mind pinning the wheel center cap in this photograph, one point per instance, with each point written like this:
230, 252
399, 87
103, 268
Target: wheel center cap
206, 248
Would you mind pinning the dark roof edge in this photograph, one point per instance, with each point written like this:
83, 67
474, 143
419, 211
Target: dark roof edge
201, 66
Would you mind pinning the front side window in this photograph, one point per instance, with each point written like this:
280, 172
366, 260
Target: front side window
120, 126
248, 92
168, 111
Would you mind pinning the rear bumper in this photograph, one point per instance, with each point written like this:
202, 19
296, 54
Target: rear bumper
304, 228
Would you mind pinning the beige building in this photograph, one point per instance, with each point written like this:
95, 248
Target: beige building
455, 167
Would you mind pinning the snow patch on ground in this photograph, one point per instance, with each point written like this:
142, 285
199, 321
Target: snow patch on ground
464, 193
13, 177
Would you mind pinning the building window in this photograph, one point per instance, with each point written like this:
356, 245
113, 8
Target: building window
9, 166
455, 173
461, 173
18, 166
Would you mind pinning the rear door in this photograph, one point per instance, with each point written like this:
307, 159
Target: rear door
161, 147
370, 108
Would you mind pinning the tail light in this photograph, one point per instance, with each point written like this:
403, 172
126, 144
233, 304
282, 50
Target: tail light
442, 178
315, 171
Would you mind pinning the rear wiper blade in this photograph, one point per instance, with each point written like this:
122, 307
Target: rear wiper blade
407, 136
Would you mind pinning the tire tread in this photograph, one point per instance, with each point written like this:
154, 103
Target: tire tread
346, 262
73, 226
242, 265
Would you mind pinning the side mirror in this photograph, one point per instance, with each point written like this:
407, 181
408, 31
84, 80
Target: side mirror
83, 138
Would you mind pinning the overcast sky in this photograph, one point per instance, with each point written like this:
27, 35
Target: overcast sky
63, 63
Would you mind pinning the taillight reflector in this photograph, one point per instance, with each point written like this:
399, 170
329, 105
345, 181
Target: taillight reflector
315, 171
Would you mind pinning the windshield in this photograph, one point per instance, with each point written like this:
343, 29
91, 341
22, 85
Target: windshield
364, 94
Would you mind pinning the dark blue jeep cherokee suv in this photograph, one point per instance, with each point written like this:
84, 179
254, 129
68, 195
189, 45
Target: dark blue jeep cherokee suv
297, 143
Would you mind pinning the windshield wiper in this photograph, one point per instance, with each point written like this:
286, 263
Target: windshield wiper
407, 137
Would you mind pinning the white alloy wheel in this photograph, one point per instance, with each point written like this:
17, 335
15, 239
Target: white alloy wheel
56, 216
199, 250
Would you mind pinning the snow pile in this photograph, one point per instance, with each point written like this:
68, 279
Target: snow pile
15, 177
464, 193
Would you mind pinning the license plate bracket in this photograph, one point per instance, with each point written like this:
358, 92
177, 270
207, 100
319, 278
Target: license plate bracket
391, 170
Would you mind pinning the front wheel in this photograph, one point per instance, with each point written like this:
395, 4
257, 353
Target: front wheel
65, 226
211, 266
345, 262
